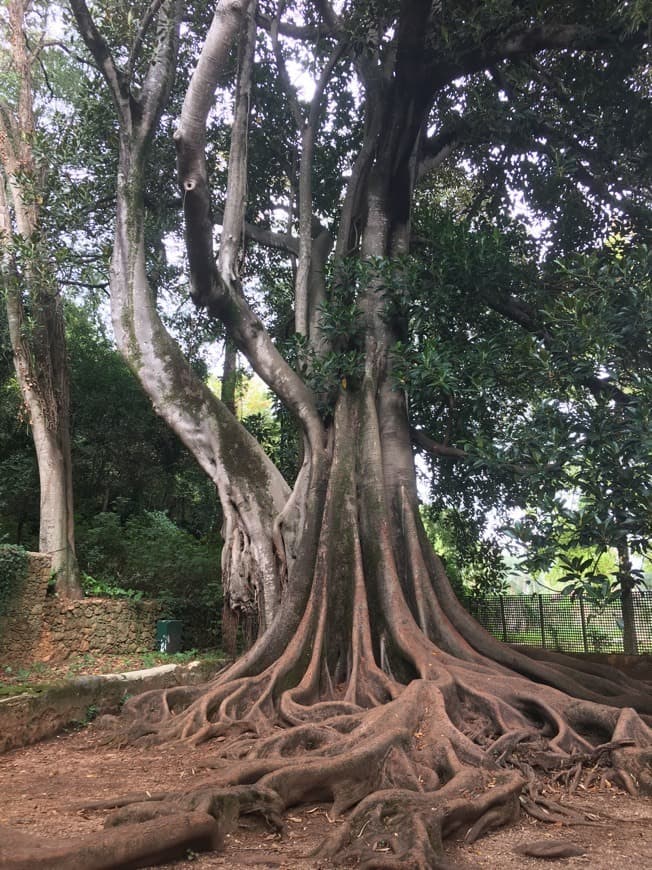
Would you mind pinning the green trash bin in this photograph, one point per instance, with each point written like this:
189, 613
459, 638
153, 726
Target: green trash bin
168, 635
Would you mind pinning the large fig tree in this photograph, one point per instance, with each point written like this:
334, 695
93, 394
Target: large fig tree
369, 685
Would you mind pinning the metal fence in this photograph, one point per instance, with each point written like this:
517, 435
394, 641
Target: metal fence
562, 623
557, 622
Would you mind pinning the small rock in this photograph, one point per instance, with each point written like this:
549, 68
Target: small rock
550, 849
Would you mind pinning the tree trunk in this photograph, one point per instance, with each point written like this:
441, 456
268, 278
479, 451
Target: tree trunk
49, 419
39, 346
251, 489
373, 687
630, 640
375, 690
42, 374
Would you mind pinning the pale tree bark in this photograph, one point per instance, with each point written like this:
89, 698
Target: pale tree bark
251, 489
38, 340
216, 285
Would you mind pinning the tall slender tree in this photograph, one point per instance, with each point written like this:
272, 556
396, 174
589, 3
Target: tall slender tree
34, 304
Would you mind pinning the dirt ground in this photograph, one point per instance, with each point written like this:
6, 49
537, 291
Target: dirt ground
42, 785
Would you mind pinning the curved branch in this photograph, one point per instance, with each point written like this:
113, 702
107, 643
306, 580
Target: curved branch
222, 294
270, 239
294, 31
524, 42
435, 448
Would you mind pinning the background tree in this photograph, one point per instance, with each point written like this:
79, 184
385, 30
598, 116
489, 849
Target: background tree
147, 518
34, 305
370, 684
522, 416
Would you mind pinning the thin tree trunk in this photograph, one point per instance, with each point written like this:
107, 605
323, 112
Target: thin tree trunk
44, 387
39, 348
229, 375
630, 639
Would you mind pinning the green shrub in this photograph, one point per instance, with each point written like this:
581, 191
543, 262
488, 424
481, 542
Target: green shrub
148, 554
100, 589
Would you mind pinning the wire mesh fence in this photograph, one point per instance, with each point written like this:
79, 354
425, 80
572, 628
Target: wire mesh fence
556, 622
564, 623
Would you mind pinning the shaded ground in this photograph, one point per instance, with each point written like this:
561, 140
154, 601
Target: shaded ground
40, 787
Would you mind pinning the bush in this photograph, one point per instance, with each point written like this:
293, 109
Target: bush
148, 553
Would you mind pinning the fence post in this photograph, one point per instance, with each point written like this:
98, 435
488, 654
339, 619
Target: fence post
583, 618
543, 631
502, 618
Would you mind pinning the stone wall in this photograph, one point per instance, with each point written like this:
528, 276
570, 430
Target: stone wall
20, 628
42, 627
99, 626
29, 717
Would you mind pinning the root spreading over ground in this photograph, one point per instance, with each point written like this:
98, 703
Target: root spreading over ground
459, 746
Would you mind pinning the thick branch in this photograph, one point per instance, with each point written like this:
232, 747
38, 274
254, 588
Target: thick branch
160, 76
223, 297
287, 28
143, 27
266, 237
524, 42
436, 448
270, 239
236, 188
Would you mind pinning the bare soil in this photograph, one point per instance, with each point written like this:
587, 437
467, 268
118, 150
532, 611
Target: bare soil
42, 786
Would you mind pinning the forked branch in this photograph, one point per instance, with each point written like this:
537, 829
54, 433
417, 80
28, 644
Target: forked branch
219, 292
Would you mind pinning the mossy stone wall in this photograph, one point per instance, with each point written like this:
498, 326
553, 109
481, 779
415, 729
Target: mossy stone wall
42, 627
20, 627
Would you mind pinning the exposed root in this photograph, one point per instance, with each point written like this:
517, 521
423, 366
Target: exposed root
405, 774
404, 828
150, 842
